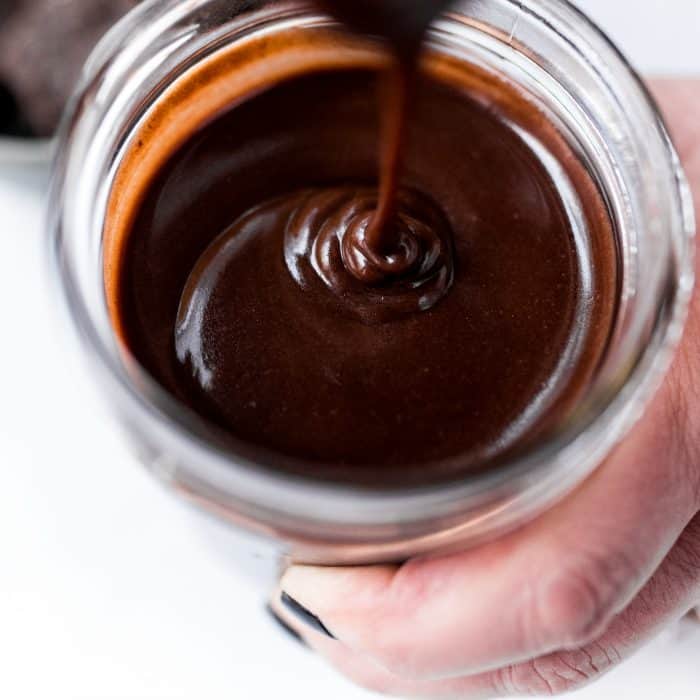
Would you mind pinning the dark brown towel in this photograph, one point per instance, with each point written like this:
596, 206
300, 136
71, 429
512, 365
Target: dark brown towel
43, 44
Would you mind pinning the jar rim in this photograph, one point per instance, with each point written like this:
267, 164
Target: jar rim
286, 503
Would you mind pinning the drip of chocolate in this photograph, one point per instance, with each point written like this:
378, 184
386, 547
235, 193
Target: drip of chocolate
381, 242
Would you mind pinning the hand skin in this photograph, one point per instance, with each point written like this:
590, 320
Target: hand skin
556, 604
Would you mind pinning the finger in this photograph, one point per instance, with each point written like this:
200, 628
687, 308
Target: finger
556, 583
366, 673
666, 598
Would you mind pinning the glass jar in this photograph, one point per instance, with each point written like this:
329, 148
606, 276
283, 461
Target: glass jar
564, 63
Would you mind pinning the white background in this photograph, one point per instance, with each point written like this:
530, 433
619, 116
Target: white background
107, 587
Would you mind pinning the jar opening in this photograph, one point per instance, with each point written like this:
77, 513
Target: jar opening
589, 93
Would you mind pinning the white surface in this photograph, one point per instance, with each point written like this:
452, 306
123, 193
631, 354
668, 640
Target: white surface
660, 36
106, 589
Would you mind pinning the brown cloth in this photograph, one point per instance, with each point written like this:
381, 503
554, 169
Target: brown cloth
43, 45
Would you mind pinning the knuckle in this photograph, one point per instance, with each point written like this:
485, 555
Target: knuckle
558, 673
534, 678
578, 603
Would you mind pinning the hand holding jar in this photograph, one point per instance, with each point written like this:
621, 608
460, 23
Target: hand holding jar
558, 603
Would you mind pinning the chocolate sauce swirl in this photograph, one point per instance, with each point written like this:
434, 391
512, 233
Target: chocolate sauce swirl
328, 239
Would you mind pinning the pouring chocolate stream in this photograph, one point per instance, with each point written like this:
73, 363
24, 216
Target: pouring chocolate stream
386, 246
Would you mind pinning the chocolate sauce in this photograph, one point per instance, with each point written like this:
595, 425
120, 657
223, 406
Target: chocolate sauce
243, 287
402, 336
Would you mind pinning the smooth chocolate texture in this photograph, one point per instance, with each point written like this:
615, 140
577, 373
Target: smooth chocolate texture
334, 368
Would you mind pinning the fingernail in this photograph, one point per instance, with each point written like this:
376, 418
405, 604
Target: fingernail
290, 631
304, 615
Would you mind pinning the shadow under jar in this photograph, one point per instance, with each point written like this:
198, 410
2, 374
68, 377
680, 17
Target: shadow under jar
206, 151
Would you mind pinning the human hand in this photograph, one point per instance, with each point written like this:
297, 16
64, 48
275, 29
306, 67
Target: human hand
554, 605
